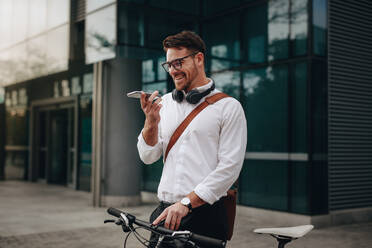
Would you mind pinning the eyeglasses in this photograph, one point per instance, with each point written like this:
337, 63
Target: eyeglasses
176, 63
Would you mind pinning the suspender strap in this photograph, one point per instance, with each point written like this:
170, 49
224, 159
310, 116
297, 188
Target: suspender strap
177, 133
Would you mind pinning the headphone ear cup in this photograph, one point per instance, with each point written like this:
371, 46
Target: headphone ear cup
177, 95
194, 97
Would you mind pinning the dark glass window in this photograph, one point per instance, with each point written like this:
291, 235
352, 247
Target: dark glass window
131, 26
264, 183
211, 7
85, 124
299, 26
100, 34
278, 29
255, 34
266, 107
320, 26
223, 48
299, 108
228, 82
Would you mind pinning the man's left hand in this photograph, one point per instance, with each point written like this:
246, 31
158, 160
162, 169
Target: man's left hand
172, 215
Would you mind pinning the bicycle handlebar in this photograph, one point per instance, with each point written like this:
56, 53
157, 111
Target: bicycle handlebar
198, 239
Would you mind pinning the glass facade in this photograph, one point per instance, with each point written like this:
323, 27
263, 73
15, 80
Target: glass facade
34, 38
259, 52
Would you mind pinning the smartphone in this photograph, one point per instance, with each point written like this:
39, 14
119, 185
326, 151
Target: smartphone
137, 94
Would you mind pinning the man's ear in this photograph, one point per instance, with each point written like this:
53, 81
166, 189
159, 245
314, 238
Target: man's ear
200, 58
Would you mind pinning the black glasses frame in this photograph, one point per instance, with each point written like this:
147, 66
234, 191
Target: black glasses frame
176, 63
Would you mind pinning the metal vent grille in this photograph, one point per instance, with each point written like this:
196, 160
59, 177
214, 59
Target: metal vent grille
350, 103
78, 10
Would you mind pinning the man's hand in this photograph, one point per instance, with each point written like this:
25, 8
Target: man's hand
172, 215
151, 110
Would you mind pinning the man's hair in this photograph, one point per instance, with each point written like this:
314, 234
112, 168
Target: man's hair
187, 39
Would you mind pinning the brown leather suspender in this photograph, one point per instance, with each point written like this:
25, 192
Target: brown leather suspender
177, 133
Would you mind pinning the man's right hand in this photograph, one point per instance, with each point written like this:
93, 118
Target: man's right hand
151, 110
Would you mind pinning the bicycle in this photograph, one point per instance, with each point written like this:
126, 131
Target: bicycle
283, 235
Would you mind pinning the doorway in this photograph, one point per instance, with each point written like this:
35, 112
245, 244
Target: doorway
53, 136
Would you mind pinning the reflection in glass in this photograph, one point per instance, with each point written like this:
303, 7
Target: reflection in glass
320, 26
131, 26
75, 86
100, 35
278, 28
223, 44
88, 83
299, 26
148, 74
6, 10
57, 49
20, 20
96, 4
228, 82
20, 63
58, 12
36, 49
2, 95
37, 17
255, 33
266, 106
6, 65
162, 75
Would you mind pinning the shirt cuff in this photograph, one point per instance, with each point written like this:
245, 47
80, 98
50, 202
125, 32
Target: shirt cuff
205, 194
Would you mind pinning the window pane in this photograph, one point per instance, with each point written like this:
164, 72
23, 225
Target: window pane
255, 20
215, 6
223, 44
278, 29
264, 184
266, 107
57, 49
58, 12
2, 95
88, 83
192, 6
20, 66
96, 4
36, 49
131, 26
6, 10
37, 18
20, 20
101, 35
299, 108
299, 26
228, 82
160, 26
320, 26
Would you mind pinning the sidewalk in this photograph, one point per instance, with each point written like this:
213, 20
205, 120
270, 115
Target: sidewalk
38, 215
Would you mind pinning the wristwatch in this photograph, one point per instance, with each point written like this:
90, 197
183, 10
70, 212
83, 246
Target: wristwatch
187, 203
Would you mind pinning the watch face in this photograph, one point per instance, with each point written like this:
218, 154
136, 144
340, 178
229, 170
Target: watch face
185, 201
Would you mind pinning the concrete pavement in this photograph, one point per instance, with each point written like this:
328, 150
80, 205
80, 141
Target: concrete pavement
38, 215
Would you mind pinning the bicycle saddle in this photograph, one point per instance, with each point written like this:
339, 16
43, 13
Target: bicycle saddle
290, 232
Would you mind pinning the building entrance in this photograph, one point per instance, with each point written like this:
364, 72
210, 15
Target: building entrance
53, 158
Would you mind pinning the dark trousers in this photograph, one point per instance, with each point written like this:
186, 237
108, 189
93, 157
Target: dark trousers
208, 220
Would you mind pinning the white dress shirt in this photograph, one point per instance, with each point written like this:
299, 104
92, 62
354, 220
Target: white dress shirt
208, 156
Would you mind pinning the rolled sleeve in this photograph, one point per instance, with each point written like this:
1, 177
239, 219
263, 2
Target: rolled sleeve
205, 194
148, 154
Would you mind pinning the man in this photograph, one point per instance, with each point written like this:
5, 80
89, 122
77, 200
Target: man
207, 158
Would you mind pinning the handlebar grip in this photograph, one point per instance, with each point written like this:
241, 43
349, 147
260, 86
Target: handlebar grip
115, 212
207, 241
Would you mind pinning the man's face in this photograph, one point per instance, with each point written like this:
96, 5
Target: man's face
183, 77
